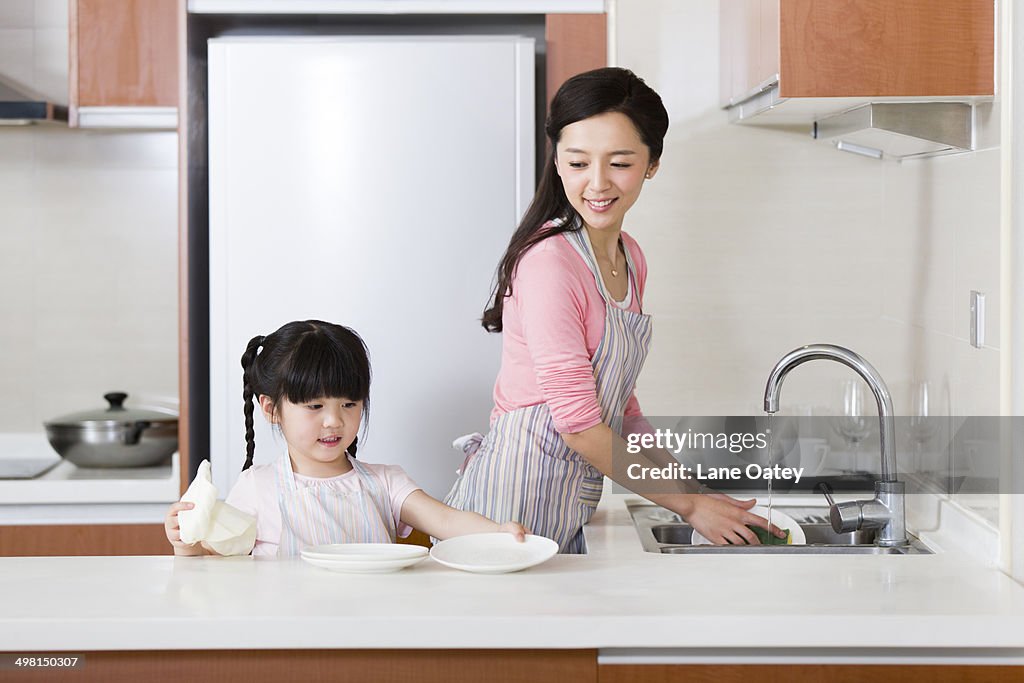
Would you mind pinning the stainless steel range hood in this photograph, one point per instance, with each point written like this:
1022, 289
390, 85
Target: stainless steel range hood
18, 108
900, 129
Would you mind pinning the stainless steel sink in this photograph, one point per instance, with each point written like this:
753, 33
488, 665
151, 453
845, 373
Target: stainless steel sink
662, 531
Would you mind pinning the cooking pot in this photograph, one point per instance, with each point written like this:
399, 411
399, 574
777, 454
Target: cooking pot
115, 436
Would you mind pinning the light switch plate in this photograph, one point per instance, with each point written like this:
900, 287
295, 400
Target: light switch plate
977, 319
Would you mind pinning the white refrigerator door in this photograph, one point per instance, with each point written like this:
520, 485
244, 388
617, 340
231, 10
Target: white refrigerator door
372, 182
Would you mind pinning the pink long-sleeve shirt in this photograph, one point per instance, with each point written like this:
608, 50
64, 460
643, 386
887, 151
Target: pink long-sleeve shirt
553, 324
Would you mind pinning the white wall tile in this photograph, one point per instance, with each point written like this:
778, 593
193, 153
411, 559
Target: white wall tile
50, 67
17, 14
977, 244
920, 239
17, 57
51, 14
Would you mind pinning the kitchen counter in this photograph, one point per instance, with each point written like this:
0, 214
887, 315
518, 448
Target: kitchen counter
617, 598
66, 494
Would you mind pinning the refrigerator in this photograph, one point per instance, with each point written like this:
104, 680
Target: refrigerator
373, 182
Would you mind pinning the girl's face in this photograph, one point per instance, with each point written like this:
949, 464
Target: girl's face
318, 432
603, 164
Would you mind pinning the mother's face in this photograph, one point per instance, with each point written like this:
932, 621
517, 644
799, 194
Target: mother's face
603, 164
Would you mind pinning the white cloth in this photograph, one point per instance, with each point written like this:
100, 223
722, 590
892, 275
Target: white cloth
225, 529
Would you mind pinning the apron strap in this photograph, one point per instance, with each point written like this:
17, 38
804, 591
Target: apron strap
580, 241
285, 476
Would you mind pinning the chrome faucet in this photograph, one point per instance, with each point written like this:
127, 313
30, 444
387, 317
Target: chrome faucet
886, 512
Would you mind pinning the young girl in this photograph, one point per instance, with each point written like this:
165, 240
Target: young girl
312, 380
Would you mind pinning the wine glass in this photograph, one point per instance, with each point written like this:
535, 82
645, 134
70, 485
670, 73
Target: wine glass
921, 425
852, 424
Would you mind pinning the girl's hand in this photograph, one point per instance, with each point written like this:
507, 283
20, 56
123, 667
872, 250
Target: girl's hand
516, 529
173, 531
723, 520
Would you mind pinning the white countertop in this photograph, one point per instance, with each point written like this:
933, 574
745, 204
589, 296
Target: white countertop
618, 599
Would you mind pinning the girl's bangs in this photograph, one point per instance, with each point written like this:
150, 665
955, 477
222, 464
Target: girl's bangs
319, 369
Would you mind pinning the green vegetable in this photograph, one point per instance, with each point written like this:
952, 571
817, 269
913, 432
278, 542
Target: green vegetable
767, 538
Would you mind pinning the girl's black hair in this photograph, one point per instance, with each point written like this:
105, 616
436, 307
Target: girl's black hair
302, 361
600, 91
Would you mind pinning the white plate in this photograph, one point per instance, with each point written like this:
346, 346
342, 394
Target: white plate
495, 553
364, 558
779, 519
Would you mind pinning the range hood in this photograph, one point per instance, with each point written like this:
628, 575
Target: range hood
18, 108
900, 130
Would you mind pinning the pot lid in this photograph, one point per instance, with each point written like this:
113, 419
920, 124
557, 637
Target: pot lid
114, 414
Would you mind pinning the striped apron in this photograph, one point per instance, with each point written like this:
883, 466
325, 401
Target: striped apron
522, 470
321, 513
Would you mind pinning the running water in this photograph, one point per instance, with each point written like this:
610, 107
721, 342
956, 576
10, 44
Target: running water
770, 439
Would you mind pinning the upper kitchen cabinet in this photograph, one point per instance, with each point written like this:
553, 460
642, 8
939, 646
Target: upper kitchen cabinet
123, 67
773, 50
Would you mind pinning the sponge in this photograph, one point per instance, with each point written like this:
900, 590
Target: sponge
767, 538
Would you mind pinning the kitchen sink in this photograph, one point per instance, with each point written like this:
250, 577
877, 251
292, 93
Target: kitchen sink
662, 531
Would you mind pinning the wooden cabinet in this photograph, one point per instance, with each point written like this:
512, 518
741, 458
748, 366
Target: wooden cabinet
85, 539
339, 666
123, 60
575, 43
857, 48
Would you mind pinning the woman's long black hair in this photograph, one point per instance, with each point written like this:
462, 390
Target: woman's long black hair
302, 361
600, 91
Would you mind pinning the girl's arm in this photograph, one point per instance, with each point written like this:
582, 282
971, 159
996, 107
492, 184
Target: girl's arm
720, 518
173, 532
436, 519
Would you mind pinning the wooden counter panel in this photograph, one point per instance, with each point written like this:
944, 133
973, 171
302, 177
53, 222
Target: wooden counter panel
336, 666
85, 539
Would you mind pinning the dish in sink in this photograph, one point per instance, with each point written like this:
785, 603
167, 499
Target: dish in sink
779, 519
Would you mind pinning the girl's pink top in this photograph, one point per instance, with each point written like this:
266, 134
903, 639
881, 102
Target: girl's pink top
553, 324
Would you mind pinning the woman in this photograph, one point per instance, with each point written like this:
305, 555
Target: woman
569, 302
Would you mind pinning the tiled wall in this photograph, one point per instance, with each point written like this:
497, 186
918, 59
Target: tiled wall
88, 245
760, 240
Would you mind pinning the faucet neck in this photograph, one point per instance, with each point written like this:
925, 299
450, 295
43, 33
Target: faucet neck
773, 390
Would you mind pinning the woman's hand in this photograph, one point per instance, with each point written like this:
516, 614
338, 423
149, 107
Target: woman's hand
173, 531
723, 519
516, 529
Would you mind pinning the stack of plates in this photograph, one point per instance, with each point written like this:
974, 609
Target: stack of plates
364, 558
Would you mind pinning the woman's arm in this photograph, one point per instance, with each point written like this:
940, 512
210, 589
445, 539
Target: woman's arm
720, 518
436, 519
